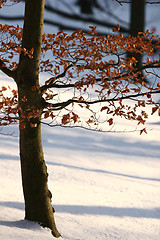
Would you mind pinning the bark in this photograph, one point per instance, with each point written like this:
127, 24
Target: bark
137, 17
34, 171
137, 21
34, 179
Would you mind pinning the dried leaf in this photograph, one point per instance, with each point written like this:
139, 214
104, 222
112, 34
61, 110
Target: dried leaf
143, 131
110, 121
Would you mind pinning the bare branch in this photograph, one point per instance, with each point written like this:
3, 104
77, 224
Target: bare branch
91, 129
118, 2
8, 134
6, 70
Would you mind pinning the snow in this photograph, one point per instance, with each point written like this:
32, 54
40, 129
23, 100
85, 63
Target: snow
105, 186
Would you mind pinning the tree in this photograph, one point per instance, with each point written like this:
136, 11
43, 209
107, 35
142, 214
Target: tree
137, 23
93, 70
34, 172
137, 17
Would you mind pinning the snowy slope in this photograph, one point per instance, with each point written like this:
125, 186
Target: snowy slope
105, 186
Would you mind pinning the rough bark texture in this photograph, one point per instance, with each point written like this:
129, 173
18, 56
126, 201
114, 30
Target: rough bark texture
34, 171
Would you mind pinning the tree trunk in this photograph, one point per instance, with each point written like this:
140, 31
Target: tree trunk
137, 17
137, 20
34, 179
34, 171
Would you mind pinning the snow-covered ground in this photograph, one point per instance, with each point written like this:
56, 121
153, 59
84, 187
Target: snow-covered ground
105, 186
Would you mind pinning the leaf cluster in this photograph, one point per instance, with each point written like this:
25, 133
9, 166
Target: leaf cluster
93, 70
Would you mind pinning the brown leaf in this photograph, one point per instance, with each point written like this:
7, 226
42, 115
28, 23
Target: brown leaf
143, 130
110, 121
104, 108
65, 119
154, 109
46, 115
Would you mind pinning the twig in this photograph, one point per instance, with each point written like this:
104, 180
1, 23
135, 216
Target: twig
91, 129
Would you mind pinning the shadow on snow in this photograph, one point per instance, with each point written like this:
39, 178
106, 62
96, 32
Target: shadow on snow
89, 210
103, 171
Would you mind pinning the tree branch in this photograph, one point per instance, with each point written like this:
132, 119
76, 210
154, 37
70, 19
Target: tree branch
122, 75
6, 70
52, 80
53, 84
89, 128
60, 106
118, 2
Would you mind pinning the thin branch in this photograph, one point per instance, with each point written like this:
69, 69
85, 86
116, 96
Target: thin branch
118, 2
8, 134
52, 80
59, 106
53, 84
123, 75
90, 129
